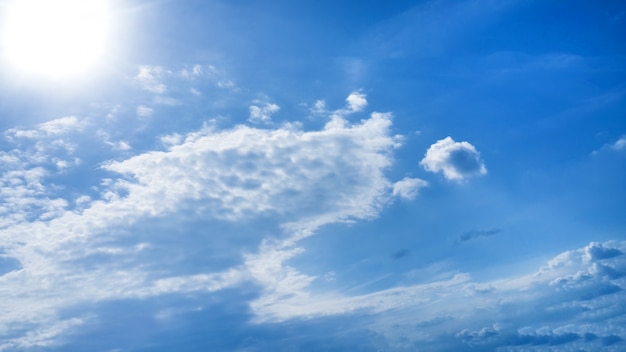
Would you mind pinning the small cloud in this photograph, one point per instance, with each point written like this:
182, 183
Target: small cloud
195, 71
263, 113
408, 188
164, 100
144, 111
57, 127
60, 126
319, 107
112, 114
475, 234
620, 144
195, 92
457, 160
149, 79
356, 101
227, 84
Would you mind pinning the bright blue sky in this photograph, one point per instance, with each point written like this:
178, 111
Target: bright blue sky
317, 176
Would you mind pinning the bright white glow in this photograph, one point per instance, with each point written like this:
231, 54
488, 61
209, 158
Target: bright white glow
57, 38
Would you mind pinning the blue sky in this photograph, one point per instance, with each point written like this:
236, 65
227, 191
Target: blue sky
314, 176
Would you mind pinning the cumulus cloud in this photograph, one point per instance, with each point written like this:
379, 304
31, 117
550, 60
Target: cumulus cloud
456, 160
356, 101
298, 180
408, 188
262, 112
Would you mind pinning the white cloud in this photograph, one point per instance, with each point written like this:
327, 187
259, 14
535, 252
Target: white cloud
262, 112
408, 188
164, 100
300, 179
57, 127
578, 292
144, 111
620, 144
457, 160
356, 101
319, 107
149, 78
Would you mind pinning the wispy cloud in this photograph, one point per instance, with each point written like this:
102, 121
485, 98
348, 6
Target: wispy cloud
408, 188
149, 78
475, 234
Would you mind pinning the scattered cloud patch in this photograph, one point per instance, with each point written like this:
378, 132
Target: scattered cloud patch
408, 188
319, 107
617, 146
57, 127
456, 160
144, 111
620, 144
356, 101
149, 78
262, 113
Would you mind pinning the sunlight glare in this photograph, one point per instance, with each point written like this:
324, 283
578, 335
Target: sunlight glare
57, 38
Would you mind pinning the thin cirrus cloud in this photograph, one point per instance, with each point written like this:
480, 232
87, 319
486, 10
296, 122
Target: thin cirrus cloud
457, 161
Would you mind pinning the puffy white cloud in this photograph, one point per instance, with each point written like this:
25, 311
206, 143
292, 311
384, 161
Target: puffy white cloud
356, 101
457, 160
262, 112
408, 188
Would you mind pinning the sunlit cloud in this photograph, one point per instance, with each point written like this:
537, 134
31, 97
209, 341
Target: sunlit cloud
456, 160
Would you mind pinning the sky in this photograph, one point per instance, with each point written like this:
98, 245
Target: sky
213, 175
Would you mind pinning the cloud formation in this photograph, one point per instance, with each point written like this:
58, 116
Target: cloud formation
408, 188
456, 160
296, 180
262, 113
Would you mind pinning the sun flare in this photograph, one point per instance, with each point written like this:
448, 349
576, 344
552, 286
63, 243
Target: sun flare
57, 38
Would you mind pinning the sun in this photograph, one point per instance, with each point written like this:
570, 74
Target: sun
55, 38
